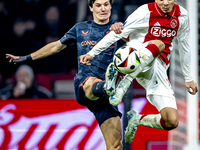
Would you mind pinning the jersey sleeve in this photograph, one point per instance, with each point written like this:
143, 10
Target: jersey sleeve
184, 48
135, 21
70, 37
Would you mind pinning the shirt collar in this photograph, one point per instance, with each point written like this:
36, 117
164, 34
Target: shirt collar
175, 11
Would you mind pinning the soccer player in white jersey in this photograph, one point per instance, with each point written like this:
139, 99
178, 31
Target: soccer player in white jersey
152, 29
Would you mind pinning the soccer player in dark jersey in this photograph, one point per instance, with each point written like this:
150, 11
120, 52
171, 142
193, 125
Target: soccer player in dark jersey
89, 81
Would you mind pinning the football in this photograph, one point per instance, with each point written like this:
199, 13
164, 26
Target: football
126, 59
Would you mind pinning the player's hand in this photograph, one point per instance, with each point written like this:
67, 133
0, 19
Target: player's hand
84, 59
18, 59
12, 57
117, 27
191, 87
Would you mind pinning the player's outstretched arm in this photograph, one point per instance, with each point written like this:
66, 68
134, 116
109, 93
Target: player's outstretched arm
191, 87
45, 51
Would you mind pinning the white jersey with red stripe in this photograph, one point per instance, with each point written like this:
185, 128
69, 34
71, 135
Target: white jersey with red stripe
148, 23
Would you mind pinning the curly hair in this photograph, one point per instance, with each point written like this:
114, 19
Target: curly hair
91, 2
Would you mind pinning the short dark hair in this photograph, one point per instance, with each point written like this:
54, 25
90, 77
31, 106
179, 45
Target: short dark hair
91, 2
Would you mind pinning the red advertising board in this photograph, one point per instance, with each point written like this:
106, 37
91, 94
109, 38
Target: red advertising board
61, 124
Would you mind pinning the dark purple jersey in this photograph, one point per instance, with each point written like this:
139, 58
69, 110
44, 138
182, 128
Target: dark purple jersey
85, 36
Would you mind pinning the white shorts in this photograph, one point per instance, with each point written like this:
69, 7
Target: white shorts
161, 102
159, 91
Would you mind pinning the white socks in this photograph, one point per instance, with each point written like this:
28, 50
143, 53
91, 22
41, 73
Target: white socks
152, 121
146, 57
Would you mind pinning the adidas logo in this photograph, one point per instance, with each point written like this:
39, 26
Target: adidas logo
157, 24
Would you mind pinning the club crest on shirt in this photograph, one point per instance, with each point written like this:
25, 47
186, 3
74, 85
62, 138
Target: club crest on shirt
85, 33
173, 23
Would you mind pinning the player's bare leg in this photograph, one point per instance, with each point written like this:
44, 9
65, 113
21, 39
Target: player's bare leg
111, 128
169, 118
112, 132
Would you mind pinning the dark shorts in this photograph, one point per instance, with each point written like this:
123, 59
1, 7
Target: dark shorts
101, 108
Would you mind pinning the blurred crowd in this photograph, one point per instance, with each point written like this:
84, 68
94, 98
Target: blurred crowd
25, 86
27, 25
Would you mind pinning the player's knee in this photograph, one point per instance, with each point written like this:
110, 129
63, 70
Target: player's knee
87, 89
119, 146
155, 47
111, 129
172, 122
159, 44
170, 118
113, 139
115, 144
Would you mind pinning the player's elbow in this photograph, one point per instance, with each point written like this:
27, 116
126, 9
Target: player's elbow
57, 47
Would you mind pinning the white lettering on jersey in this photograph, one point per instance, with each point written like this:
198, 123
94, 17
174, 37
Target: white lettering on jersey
159, 32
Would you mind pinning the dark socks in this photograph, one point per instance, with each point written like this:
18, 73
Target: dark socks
98, 88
